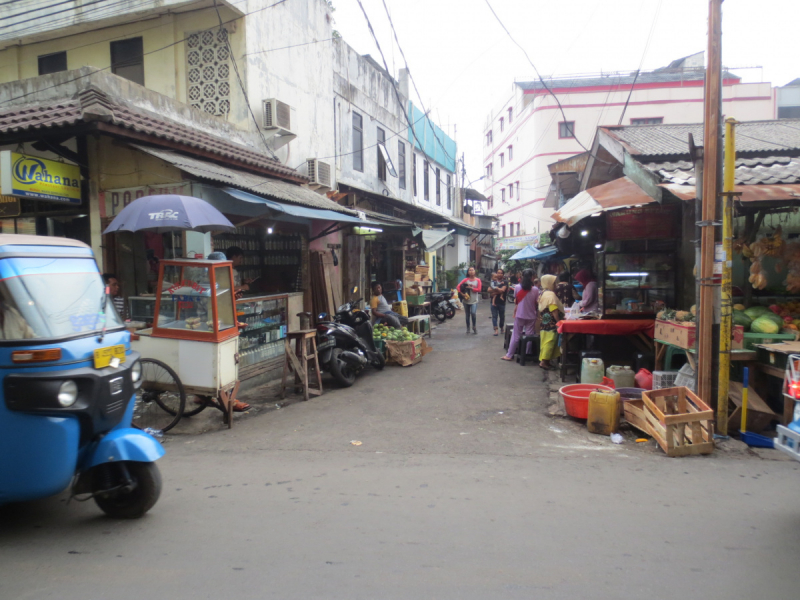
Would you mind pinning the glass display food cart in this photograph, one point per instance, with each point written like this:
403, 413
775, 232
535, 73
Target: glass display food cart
637, 285
193, 343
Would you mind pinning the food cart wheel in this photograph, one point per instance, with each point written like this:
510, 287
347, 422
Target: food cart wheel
161, 400
195, 404
145, 481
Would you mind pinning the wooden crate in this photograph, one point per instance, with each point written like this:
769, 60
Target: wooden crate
680, 422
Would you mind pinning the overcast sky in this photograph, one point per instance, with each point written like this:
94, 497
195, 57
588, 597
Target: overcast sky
464, 64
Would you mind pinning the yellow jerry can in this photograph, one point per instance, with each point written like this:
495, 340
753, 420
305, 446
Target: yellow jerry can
603, 412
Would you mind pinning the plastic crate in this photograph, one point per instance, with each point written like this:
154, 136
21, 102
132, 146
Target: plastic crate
415, 300
664, 379
686, 378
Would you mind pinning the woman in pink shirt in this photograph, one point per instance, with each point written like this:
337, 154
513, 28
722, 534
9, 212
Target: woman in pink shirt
525, 311
471, 303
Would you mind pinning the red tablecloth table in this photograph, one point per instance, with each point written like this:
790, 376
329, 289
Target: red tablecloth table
640, 332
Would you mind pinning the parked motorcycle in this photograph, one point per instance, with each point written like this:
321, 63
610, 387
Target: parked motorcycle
441, 308
345, 345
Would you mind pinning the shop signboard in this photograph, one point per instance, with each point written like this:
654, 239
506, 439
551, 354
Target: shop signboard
9, 206
113, 201
518, 242
652, 221
37, 178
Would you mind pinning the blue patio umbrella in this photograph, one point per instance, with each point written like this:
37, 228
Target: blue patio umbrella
165, 213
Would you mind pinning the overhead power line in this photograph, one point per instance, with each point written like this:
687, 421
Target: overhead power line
641, 62
544, 84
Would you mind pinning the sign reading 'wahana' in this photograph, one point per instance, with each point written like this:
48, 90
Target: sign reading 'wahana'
39, 178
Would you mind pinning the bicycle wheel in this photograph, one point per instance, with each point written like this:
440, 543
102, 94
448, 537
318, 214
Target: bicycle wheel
195, 404
161, 400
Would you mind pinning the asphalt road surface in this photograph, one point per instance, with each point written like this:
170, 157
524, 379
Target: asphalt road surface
463, 487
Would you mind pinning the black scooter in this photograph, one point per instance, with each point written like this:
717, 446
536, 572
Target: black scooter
345, 345
440, 306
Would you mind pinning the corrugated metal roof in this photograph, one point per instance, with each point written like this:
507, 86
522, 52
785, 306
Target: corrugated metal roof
282, 191
778, 135
768, 170
750, 193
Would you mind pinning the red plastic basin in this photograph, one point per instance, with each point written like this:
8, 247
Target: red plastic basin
576, 398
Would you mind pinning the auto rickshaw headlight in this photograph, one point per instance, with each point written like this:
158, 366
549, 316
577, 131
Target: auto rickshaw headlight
67, 393
136, 374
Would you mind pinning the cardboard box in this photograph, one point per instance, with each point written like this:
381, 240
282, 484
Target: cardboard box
418, 277
406, 354
683, 335
759, 415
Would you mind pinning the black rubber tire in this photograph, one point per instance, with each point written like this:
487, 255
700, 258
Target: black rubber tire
341, 371
379, 363
141, 499
450, 311
152, 408
440, 315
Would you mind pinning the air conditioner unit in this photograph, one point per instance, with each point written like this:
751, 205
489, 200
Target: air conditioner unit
319, 173
277, 115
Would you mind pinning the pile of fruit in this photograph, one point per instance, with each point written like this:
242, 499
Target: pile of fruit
680, 316
763, 319
392, 334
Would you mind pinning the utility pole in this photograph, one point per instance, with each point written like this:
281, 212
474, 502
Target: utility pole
711, 137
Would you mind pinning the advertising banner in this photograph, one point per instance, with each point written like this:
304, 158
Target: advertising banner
518, 242
39, 178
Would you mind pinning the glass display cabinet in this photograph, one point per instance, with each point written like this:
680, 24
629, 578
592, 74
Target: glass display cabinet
261, 341
637, 285
195, 326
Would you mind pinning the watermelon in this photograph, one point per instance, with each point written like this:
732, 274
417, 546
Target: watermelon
757, 311
741, 318
765, 325
777, 319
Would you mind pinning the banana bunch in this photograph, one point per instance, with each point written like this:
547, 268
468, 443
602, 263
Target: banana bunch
769, 245
757, 277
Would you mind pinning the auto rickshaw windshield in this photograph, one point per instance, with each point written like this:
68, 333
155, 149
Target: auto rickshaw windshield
47, 298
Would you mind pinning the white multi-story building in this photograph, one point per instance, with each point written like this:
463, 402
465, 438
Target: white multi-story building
528, 130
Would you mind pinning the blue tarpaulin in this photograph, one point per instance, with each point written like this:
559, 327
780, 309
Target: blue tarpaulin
529, 252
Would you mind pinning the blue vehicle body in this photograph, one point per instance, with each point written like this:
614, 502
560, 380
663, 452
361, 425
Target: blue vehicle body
44, 444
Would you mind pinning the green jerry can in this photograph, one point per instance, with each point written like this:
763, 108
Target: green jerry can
603, 412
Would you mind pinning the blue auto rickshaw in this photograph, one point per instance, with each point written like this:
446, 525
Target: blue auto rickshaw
68, 379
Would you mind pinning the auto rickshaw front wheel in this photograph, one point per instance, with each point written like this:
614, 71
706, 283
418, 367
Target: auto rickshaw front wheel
134, 499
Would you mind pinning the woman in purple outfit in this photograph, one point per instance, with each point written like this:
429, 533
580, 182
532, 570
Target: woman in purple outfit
526, 310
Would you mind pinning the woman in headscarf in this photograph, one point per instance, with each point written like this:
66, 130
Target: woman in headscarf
588, 301
551, 311
525, 311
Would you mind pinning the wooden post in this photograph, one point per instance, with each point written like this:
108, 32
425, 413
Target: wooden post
711, 136
726, 304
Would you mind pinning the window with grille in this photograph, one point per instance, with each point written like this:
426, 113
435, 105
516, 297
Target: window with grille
414, 173
502, 159
449, 193
566, 129
511, 191
358, 142
52, 63
425, 180
208, 71
381, 160
489, 170
401, 164
488, 138
510, 114
127, 59
438, 187
510, 153
502, 124
503, 195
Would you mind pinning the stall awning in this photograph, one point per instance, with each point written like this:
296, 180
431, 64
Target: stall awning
529, 252
301, 212
433, 239
620, 193
767, 192
280, 191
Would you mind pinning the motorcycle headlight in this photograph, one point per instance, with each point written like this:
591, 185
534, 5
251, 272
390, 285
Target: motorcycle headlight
67, 393
136, 374
796, 414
